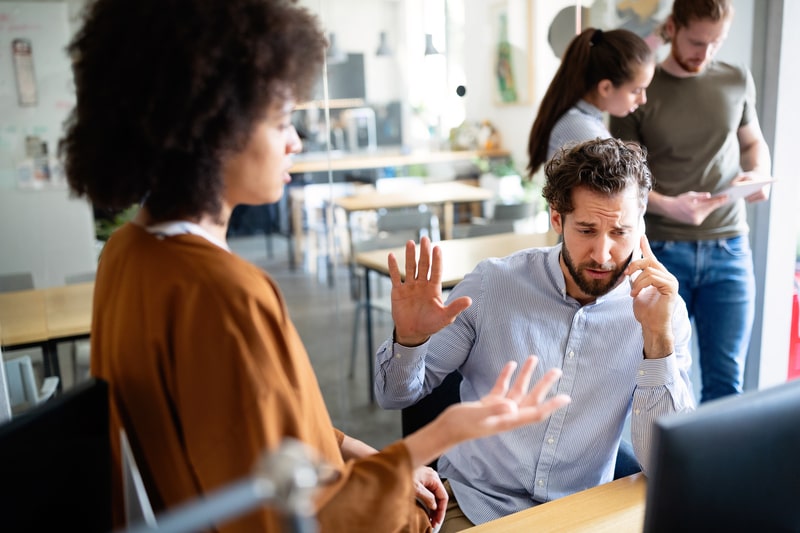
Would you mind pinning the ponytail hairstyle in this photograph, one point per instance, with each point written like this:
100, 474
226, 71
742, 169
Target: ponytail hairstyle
591, 57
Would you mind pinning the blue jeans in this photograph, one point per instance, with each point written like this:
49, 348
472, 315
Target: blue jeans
717, 283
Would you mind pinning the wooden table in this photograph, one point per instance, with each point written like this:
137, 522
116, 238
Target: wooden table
44, 317
382, 158
459, 257
446, 194
615, 507
69, 310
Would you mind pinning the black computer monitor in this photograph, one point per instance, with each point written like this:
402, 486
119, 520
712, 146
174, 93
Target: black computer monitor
55, 464
731, 465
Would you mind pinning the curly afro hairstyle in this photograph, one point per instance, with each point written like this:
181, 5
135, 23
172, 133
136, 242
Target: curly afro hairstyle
606, 166
167, 89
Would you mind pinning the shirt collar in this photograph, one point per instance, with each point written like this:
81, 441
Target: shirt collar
588, 109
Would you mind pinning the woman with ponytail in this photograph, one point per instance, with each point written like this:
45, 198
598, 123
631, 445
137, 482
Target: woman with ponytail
601, 71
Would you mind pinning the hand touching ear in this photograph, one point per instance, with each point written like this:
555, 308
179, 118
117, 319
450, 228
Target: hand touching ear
655, 291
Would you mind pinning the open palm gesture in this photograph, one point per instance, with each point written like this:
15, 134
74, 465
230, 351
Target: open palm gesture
418, 309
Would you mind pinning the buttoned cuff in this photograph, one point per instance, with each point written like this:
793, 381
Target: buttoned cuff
657, 372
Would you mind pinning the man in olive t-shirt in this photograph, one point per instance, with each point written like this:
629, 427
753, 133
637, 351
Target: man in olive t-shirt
701, 131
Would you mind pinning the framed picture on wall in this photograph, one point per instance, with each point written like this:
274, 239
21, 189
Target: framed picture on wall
511, 52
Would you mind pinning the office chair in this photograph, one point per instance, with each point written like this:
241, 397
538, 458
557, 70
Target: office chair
285, 479
505, 219
17, 281
324, 232
5, 401
23, 393
425, 410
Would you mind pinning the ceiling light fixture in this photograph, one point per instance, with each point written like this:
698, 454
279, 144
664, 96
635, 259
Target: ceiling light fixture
335, 54
383, 46
429, 48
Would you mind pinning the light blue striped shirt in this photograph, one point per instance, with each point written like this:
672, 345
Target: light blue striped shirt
581, 122
520, 307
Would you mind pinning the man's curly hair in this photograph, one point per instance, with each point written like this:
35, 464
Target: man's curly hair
605, 166
167, 89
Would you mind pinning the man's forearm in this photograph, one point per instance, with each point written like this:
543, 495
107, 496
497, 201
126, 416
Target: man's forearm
656, 203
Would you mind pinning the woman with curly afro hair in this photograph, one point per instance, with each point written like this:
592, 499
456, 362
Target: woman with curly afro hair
183, 107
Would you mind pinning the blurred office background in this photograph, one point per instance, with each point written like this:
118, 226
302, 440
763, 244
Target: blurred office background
403, 77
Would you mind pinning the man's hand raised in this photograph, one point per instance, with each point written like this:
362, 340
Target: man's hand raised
418, 309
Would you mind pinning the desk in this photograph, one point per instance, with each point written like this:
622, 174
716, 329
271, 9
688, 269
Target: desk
444, 193
459, 257
615, 507
45, 317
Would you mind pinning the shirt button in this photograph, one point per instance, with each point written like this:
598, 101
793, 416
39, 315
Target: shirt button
636, 411
398, 356
551, 440
642, 372
571, 354
541, 483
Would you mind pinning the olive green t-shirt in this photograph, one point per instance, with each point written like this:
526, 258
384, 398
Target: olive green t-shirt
689, 127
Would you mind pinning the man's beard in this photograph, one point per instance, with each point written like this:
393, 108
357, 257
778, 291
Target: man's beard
685, 65
592, 287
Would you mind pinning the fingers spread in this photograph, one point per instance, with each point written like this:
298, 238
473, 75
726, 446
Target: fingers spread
424, 259
436, 266
394, 271
537, 395
411, 260
523, 380
501, 385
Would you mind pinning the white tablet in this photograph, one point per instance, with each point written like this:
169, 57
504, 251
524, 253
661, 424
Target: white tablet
743, 189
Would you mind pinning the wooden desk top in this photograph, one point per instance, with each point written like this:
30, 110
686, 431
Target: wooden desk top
616, 507
23, 317
460, 256
69, 310
38, 315
380, 159
430, 193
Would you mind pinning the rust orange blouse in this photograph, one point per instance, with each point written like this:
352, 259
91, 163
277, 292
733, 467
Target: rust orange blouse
206, 372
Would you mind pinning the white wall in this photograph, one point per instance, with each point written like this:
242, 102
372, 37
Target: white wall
46, 233
41, 231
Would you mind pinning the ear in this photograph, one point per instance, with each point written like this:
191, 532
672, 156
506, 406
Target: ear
556, 222
670, 28
604, 88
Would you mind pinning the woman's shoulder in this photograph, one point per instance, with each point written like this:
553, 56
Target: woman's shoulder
578, 124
